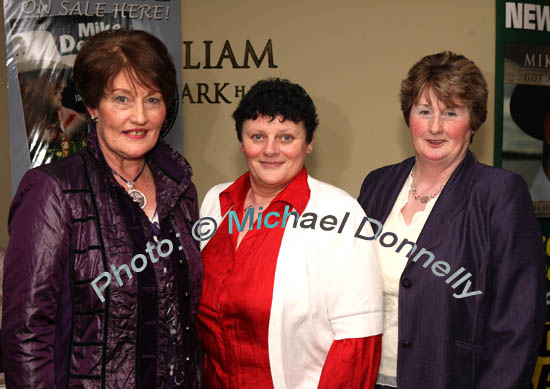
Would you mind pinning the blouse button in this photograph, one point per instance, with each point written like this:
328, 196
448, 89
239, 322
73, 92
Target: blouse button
406, 344
407, 283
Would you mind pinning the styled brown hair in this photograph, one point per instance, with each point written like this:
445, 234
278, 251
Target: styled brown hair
141, 55
453, 78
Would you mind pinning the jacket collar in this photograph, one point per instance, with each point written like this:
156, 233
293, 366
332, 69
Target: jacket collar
388, 195
296, 193
172, 173
452, 200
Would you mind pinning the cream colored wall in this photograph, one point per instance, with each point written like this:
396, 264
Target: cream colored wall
349, 55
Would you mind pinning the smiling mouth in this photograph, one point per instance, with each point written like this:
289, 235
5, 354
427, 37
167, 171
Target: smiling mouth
135, 132
435, 142
271, 164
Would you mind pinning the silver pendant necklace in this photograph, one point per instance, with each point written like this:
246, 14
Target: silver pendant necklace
136, 195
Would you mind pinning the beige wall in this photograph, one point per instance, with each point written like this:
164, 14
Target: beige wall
349, 55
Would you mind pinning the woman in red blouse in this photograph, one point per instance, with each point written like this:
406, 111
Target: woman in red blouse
291, 298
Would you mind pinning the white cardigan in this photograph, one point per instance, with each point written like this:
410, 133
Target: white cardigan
327, 286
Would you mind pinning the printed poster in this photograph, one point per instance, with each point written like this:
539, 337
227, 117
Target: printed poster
522, 120
46, 115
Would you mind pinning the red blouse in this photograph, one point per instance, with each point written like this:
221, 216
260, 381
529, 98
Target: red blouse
235, 305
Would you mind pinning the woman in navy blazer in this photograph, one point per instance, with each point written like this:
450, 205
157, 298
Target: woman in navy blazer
459, 246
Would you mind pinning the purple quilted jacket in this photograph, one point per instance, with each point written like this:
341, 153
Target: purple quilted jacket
69, 222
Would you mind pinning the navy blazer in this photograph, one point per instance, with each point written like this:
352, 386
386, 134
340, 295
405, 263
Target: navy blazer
478, 321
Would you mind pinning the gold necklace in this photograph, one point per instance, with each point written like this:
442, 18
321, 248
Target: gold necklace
423, 199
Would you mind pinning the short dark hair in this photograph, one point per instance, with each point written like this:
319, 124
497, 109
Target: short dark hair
142, 55
273, 97
453, 78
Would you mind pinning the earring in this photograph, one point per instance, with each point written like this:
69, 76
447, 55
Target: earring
95, 119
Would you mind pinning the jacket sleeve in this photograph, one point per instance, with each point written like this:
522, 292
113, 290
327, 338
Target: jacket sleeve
350, 278
35, 260
515, 326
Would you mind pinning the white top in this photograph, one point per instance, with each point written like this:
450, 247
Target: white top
327, 286
392, 264
155, 218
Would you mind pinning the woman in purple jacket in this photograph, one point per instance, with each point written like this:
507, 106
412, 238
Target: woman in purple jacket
102, 277
459, 247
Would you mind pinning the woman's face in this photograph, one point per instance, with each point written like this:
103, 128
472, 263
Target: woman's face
130, 117
275, 151
439, 133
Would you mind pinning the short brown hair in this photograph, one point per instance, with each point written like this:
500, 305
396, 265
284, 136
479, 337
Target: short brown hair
143, 56
453, 78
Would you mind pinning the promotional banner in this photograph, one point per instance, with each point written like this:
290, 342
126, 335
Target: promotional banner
522, 118
46, 116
